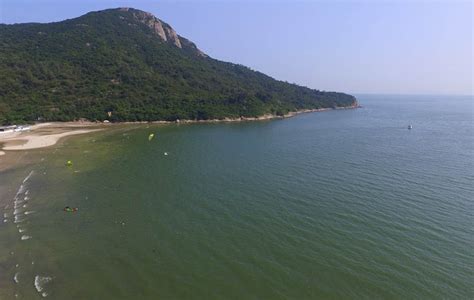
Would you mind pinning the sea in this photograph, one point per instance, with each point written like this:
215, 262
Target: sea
342, 204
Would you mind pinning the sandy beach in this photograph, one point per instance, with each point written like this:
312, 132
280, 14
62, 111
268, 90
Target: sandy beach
34, 141
43, 135
13, 144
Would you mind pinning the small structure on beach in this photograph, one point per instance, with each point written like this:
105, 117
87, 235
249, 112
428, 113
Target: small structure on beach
9, 128
14, 128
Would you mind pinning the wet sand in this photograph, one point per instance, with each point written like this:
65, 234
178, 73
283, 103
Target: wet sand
43, 135
34, 141
14, 145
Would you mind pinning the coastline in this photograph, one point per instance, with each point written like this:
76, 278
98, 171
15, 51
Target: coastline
43, 135
48, 134
246, 119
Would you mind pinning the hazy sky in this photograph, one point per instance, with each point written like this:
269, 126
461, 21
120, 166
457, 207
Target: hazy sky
403, 47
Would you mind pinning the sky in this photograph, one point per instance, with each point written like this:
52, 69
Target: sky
389, 47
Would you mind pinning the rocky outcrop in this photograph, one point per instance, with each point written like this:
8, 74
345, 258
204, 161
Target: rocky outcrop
164, 31
158, 29
172, 36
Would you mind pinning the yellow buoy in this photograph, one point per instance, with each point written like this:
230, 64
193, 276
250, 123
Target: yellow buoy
69, 163
151, 136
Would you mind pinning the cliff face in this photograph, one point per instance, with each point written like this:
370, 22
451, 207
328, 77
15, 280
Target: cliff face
164, 31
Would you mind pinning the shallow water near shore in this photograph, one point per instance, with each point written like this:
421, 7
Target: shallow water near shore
338, 204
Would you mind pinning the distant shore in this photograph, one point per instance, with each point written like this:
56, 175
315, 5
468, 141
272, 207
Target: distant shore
266, 116
48, 134
245, 119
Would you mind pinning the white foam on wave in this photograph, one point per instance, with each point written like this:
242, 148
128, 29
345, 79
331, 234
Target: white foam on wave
18, 203
29, 212
21, 190
40, 282
19, 219
21, 230
25, 237
15, 278
5, 215
28, 177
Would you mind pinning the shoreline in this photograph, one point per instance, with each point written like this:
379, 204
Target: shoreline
241, 119
38, 141
44, 135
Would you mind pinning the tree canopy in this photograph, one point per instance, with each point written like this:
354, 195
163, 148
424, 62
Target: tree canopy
109, 61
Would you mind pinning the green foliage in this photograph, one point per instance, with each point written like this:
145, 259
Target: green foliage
108, 61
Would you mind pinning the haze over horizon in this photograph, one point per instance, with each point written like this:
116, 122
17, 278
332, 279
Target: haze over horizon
399, 47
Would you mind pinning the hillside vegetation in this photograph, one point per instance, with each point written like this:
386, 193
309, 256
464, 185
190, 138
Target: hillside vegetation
134, 65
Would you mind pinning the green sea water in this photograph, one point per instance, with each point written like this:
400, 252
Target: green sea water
345, 204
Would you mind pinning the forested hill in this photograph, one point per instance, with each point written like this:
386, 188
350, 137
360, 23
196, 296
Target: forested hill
136, 66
